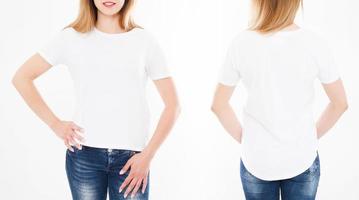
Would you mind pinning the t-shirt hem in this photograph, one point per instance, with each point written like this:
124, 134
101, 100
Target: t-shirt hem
281, 177
120, 146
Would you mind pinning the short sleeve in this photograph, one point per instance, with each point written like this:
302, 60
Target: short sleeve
228, 73
156, 64
53, 50
327, 69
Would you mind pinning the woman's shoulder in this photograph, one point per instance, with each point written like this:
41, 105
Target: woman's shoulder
144, 32
242, 38
243, 35
314, 38
309, 33
145, 35
62, 36
66, 33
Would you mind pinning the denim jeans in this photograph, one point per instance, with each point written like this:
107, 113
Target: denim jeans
301, 187
91, 172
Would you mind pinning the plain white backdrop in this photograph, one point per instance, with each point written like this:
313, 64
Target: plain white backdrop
199, 161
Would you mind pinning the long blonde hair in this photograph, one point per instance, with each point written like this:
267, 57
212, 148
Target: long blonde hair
273, 15
87, 17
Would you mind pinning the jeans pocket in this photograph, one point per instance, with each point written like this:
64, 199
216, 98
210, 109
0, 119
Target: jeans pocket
75, 152
133, 152
71, 152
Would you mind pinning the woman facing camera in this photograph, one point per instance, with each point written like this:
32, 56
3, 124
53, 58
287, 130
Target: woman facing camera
278, 63
110, 59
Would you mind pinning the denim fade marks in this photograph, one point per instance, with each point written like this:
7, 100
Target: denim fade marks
94, 172
301, 187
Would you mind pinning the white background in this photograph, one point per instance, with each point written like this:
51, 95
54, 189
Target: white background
199, 160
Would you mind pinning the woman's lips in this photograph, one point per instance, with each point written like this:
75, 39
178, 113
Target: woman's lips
108, 4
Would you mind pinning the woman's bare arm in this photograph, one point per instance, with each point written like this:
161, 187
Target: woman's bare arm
167, 91
336, 107
23, 81
225, 113
139, 163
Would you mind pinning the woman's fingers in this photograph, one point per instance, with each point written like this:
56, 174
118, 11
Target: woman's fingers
144, 185
130, 186
71, 139
79, 137
126, 167
68, 145
75, 134
77, 127
126, 182
69, 132
138, 185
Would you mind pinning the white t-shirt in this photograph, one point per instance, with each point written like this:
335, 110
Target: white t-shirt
110, 72
279, 138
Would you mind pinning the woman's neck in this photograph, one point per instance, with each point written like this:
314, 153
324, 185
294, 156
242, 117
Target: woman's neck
108, 24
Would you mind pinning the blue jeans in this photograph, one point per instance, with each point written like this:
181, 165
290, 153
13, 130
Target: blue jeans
301, 187
92, 171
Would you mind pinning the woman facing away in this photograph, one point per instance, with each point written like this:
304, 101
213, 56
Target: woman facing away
278, 62
109, 59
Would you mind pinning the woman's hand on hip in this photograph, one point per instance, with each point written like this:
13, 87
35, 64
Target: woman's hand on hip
138, 165
68, 132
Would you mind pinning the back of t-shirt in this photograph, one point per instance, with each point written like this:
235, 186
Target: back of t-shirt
278, 70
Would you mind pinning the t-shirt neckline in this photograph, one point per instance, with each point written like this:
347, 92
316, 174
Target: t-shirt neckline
122, 34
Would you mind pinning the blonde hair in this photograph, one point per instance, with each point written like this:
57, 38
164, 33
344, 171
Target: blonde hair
273, 15
87, 17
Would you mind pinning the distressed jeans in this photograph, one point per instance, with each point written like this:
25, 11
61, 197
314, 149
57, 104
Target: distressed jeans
92, 172
301, 187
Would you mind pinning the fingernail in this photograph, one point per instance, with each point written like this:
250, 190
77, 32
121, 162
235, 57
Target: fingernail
125, 195
120, 190
133, 195
122, 172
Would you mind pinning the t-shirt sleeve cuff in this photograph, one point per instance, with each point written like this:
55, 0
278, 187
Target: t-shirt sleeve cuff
227, 82
330, 80
160, 76
46, 57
